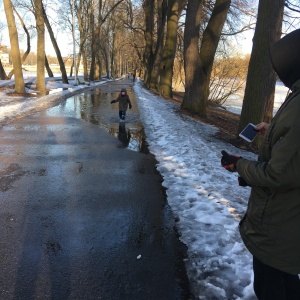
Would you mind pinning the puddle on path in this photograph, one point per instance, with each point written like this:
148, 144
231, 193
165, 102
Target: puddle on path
94, 106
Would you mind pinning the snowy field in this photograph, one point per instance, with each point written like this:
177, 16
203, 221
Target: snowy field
206, 200
234, 103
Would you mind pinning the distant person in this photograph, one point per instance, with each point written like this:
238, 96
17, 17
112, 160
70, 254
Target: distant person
270, 228
133, 77
124, 102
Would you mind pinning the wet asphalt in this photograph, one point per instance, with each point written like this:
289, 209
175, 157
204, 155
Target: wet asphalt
83, 213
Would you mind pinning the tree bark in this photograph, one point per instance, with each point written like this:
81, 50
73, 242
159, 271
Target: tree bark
166, 69
40, 26
161, 21
3, 75
83, 16
11, 73
15, 50
148, 7
56, 48
197, 91
49, 71
191, 50
261, 78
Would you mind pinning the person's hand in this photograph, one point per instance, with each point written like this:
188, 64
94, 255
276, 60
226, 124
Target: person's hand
113, 101
262, 128
229, 161
242, 181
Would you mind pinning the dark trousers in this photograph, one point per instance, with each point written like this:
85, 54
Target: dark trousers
273, 284
122, 114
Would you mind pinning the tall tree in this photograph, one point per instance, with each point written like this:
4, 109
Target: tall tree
40, 27
175, 8
192, 61
148, 6
161, 21
15, 50
56, 48
98, 19
261, 78
198, 78
11, 73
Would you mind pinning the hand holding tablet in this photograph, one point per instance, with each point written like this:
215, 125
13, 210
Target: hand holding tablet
249, 133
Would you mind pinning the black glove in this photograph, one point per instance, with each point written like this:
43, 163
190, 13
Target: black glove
242, 181
130, 106
229, 161
113, 101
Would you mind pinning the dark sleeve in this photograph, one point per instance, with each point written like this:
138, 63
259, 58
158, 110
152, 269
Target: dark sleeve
281, 170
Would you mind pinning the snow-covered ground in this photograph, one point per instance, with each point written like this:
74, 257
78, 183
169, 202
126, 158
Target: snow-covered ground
234, 103
206, 200
15, 107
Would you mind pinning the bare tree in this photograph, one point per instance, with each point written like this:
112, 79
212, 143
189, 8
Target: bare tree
175, 8
11, 73
15, 50
261, 78
40, 27
148, 7
198, 76
56, 48
161, 21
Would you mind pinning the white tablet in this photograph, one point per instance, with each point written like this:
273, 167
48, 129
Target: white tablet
249, 133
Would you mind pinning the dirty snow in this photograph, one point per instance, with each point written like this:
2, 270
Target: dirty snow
206, 200
13, 107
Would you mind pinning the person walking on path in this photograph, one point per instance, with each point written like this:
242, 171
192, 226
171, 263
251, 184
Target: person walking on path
270, 228
124, 102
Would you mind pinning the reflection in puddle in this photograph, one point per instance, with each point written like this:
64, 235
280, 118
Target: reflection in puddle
131, 139
94, 106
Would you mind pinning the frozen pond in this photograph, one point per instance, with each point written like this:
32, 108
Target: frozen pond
234, 104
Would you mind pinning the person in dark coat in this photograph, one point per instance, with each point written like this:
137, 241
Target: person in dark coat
124, 102
270, 228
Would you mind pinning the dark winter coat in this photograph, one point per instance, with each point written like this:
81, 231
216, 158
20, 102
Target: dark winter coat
271, 227
124, 102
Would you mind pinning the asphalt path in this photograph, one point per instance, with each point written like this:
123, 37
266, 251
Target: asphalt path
82, 217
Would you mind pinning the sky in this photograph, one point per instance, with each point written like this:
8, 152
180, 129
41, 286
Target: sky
64, 39
206, 200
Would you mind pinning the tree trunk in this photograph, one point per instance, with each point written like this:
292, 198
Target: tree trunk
56, 48
148, 7
15, 50
49, 71
161, 21
261, 78
197, 91
93, 47
78, 62
192, 64
3, 75
11, 73
40, 26
166, 70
